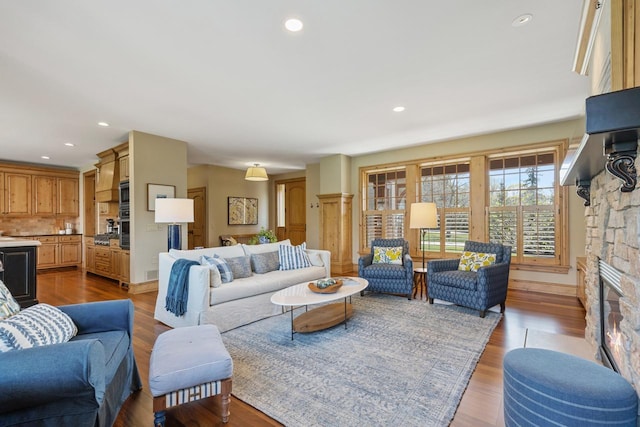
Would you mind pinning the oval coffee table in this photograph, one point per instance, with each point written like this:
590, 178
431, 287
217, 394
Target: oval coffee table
322, 317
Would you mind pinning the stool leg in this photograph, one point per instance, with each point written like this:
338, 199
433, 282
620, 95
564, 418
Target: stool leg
226, 399
158, 419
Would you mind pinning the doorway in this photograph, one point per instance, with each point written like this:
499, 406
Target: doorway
197, 230
291, 210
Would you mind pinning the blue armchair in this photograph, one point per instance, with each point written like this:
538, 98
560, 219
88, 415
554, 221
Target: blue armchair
390, 278
83, 382
480, 290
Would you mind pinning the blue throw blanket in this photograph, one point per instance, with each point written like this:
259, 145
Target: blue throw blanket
178, 288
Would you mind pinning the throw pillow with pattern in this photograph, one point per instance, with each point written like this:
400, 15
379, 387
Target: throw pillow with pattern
472, 261
226, 275
38, 325
240, 266
265, 262
387, 255
8, 305
293, 257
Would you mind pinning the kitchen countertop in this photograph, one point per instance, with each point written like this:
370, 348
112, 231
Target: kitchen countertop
13, 242
21, 235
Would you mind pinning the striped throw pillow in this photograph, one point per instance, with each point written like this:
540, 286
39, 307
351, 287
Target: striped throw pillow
293, 257
225, 271
8, 305
36, 326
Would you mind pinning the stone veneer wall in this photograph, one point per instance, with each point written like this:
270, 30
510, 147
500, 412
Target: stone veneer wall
612, 234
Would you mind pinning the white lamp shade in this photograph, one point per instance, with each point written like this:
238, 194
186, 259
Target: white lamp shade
174, 210
423, 215
256, 173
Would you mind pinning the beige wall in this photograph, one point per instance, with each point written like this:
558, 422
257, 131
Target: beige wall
152, 160
336, 173
568, 129
221, 183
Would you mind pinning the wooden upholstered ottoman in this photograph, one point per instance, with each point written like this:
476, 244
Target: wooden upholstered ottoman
189, 364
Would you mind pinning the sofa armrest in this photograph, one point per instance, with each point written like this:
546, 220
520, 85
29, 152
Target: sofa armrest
101, 316
39, 375
326, 259
199, 293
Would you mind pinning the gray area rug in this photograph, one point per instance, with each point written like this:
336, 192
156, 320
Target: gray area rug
399, 362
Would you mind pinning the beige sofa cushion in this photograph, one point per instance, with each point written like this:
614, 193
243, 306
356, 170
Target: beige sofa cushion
267, 247
195, 254
263, 283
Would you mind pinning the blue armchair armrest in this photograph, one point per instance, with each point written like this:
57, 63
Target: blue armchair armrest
408, 263
101, 316
494, 276
364, 261
40, 375
435, 266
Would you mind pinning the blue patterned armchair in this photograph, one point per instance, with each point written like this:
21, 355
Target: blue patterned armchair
480, 290
390, 278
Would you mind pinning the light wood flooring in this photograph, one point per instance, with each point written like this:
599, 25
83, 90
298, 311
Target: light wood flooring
553, 318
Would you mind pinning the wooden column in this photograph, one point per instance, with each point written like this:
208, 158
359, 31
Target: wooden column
625, 44
335, 230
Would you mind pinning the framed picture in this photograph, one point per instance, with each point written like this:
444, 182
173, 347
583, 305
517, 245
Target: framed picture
159, 191
242, 210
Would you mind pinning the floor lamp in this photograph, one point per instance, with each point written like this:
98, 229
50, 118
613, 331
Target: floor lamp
423, 216
174, 212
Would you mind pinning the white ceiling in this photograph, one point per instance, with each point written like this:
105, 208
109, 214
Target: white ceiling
227, 78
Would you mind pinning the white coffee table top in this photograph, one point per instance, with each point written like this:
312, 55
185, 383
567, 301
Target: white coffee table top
300, 294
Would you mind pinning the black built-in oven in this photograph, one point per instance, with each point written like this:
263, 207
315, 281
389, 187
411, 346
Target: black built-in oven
124, 214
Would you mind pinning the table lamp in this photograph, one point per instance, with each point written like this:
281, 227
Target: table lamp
423, 216
174, 212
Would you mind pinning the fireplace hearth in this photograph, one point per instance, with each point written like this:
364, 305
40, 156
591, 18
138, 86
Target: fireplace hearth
612, 341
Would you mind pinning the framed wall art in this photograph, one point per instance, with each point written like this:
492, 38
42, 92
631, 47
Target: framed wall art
242, 211
159, 191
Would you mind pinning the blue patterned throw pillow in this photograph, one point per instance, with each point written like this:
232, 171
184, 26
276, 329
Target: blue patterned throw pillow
240, 266
225, 271
265, 262
8, 305
293, 257
36, 326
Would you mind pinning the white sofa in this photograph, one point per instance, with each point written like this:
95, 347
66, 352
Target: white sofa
236, 303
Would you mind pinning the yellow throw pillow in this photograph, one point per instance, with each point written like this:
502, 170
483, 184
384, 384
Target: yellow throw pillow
387, 255
472, 261
466, 261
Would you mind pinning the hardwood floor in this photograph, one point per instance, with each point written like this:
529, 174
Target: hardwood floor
481, 404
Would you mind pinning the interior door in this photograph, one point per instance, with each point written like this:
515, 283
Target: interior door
197, 236
295, 212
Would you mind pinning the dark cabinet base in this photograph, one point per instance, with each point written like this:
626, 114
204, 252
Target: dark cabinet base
18, 272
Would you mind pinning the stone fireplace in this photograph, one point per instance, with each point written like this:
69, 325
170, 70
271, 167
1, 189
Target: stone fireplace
612, 239
612, 342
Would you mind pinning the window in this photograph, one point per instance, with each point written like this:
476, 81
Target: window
522, 200
446, 185
384, 204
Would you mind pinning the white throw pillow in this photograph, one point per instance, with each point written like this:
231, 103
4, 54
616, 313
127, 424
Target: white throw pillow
315, 259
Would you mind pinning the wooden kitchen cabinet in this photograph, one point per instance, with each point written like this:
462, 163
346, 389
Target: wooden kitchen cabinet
17, 194
59, 251
36, 191
55, 196
68, 195
107, 261
90, 258
47, 252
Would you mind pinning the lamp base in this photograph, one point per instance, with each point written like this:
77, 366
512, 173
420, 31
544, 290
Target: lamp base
174, 234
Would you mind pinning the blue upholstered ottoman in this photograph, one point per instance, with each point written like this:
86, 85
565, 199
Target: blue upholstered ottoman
544, 388
189, 364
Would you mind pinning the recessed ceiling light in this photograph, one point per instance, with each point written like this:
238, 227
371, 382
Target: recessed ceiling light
45, 157
69, 144
293, 24
398, 109
522, 20
104, 124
